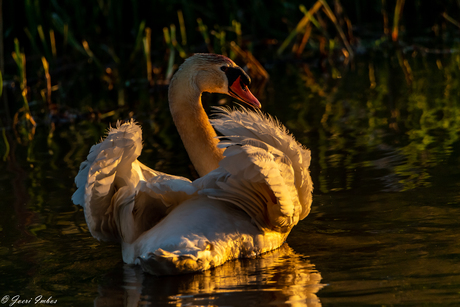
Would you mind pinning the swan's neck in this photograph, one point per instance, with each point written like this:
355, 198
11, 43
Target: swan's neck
197, 134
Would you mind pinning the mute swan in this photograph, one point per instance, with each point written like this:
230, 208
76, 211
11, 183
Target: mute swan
255, 183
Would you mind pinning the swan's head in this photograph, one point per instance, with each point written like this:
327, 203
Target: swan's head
215, 73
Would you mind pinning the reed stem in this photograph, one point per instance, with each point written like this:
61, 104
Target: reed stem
398, 12
332, 17
451, 20
237, 28
183, 33
302, 24
181, 51
53, 43
169, 70
147, 41
48, 81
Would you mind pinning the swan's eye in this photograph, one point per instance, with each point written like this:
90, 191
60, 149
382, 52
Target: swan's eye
224, 68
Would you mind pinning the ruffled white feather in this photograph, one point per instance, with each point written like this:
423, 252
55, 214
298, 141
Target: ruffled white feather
240, 124
112, 187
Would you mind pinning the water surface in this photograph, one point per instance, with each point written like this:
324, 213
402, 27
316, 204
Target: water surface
384, 223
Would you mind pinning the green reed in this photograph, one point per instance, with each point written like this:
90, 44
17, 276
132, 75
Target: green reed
109, 38
182, 27
23, 115
147, 41
172, 53
396, 19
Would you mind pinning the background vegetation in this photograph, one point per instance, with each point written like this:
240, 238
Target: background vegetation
70, 67
53, 51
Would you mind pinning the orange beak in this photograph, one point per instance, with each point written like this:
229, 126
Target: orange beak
240, 91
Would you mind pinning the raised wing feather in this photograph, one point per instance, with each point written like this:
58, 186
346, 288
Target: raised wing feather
264, 170
256, 130
121, 197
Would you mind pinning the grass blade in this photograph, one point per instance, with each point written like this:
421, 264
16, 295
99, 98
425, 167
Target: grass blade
372, 79
147, 45
170, 68
139, 40
41, 34
453, 21
386, 25
181, 51
20, 60
302, 24
405, 67
68, 36
53, 43
332, 17
398, 11
304, 41
237, 28
90, 53
48, 81
183, 34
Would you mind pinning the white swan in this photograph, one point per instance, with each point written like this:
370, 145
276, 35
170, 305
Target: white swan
255, 183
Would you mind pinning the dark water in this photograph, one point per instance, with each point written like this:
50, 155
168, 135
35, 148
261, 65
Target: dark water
384, 224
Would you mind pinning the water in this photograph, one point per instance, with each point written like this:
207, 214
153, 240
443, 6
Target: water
383, 229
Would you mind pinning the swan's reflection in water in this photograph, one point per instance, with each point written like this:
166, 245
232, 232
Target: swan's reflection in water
281, 277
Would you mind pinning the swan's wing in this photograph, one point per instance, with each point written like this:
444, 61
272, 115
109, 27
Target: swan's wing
137, 210
237, 125
259, 179
122, 197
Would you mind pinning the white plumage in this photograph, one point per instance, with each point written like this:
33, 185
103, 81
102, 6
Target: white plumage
168, 224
